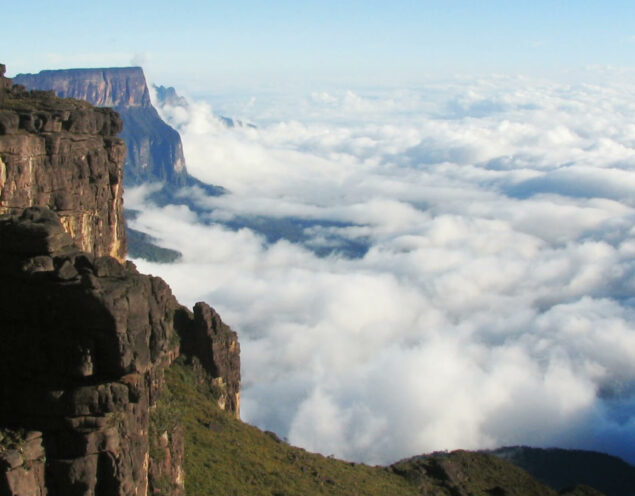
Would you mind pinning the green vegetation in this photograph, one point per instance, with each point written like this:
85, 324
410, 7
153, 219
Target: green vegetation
559, 468
28, 101
473, 472
225, 456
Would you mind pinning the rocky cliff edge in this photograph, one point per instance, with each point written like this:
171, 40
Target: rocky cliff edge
85, 338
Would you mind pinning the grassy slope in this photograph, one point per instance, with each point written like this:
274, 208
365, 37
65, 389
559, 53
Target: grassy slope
224, 456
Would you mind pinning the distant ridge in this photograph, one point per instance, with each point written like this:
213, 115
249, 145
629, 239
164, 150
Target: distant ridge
561, 468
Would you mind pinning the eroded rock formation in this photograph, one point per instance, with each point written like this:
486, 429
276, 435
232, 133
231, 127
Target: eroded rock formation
206, 338
85, 338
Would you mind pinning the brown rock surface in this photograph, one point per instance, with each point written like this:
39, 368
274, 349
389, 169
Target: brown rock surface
64, 154
5, 83
85, 342
205, 337
85, 338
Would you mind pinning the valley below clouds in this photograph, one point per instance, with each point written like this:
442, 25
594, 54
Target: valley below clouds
446, 266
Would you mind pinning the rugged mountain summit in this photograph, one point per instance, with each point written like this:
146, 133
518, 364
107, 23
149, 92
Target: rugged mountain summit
155, 152
85, 338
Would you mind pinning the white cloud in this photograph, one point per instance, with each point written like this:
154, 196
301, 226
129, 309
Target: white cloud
494, 302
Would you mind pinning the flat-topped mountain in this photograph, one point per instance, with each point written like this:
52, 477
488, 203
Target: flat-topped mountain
110, 87
155, 152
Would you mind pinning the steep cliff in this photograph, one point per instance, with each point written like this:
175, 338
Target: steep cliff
64, 154
85, 338
155, 152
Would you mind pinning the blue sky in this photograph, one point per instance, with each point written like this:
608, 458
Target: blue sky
250, 43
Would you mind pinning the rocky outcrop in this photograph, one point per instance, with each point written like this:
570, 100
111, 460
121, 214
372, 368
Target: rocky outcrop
169, 96
86, 340
155, 152
5, 83
85, 337
85, 343
64, 154
22, 463
465, 473
215, 346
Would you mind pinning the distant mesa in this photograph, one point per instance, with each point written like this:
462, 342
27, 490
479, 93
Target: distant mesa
155, 152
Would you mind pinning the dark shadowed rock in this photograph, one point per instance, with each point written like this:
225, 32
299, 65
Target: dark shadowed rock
84, 338
85, 342
207, 338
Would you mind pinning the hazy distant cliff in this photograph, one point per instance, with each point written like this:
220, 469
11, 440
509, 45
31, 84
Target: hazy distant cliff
155, 152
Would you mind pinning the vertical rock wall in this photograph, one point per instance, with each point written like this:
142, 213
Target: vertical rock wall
64, 154
84, 338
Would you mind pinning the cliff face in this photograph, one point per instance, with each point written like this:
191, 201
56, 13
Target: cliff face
155, 152
85, 338
114, 87
64, 155
85, 343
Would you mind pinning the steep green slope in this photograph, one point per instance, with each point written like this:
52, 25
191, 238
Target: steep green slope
224, 456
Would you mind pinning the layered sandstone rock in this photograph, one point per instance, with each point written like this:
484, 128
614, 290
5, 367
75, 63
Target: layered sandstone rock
64, 154
85, 343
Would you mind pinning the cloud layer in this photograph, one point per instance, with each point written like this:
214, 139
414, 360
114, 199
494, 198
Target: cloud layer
494, 301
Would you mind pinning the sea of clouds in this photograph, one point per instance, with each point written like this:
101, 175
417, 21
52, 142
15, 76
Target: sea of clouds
490, 299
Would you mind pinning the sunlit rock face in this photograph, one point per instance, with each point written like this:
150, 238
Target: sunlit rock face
65, 155
155, 152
